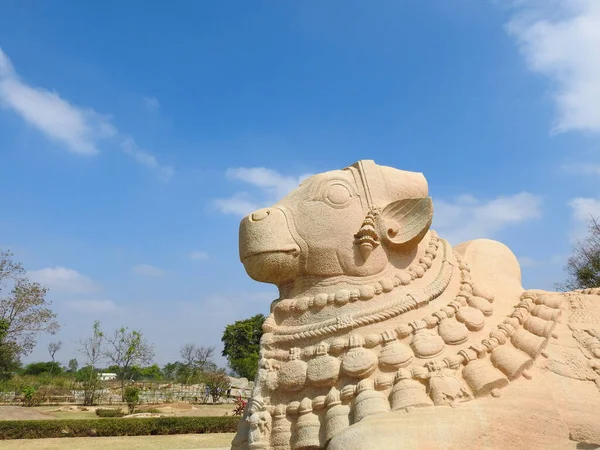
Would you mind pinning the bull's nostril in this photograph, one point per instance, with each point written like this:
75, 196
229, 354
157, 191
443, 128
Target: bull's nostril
260, 215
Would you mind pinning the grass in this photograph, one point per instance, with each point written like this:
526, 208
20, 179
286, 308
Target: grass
201, 411
185, 441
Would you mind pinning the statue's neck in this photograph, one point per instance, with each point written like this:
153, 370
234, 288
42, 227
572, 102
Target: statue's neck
310, 285
314, 294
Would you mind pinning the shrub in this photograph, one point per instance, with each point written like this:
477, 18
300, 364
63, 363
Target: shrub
37, 429
132, 396
108, 412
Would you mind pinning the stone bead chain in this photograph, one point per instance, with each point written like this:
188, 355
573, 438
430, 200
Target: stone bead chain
404, 330
530, 302
497, 337
407, 302
366, 292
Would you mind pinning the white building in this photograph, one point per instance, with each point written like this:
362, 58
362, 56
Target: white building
107, 376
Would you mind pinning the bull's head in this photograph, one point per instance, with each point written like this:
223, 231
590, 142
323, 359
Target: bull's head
350, 222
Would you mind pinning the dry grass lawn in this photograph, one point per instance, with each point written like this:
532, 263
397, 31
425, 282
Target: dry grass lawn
76, 412
179, 441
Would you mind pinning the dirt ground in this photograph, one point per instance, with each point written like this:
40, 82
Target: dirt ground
22, 413
179, 442
79, 412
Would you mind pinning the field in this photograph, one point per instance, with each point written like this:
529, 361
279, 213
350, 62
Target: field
79, 412
181, 442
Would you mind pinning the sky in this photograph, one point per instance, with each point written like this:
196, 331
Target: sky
135, 135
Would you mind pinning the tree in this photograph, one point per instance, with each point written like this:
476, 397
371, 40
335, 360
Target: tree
24, 309
131, 395
583, 267
9, 355
196, 361
242, 344
217, 383
38, 368
73, 365
176, 371
91, 348
127, 349
54, 347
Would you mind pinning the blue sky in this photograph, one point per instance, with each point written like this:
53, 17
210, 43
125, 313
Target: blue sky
134, 136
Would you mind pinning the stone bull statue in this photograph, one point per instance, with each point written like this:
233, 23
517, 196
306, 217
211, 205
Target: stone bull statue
386, 337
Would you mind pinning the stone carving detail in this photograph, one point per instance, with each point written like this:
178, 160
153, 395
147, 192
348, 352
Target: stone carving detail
379, 316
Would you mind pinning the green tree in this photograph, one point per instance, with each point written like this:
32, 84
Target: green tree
583, 267
38, 368
24, 312
217, 383
127, 349
73, 365
242, 344
91, 348
131, 396
9, 355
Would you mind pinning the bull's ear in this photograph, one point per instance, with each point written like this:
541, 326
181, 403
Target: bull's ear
405, 222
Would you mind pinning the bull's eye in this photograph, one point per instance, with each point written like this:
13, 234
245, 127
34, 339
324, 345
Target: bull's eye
337, 195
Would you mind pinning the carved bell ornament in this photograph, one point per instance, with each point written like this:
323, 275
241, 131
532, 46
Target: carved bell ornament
529, 343
481, 304
324, 369
482, 377
539, 327
453, 332
427, 344
282, 429
408, 393
395, 355
471, 317
307, 427
337, 417
368, 401
359, 362
511, 361
446, 388
292, 375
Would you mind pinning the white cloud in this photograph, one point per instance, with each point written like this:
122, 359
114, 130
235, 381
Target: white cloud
94, 306
561, 40
240, 204
148, 270
151, 103
468, 218
271, 186
269, 180
129, 146
198, 255
583, 209
64, 280
583, 168
79, 129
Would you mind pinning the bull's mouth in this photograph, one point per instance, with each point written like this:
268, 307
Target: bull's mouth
292, 251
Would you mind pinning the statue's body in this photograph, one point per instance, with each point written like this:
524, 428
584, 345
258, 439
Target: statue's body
386, 337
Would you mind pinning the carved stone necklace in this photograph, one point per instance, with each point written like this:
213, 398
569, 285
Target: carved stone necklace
365, 291
477, 370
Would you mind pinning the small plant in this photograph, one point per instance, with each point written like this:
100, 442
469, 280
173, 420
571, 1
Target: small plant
240, 405
29, 395
132, 397
109, 412
153, 410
